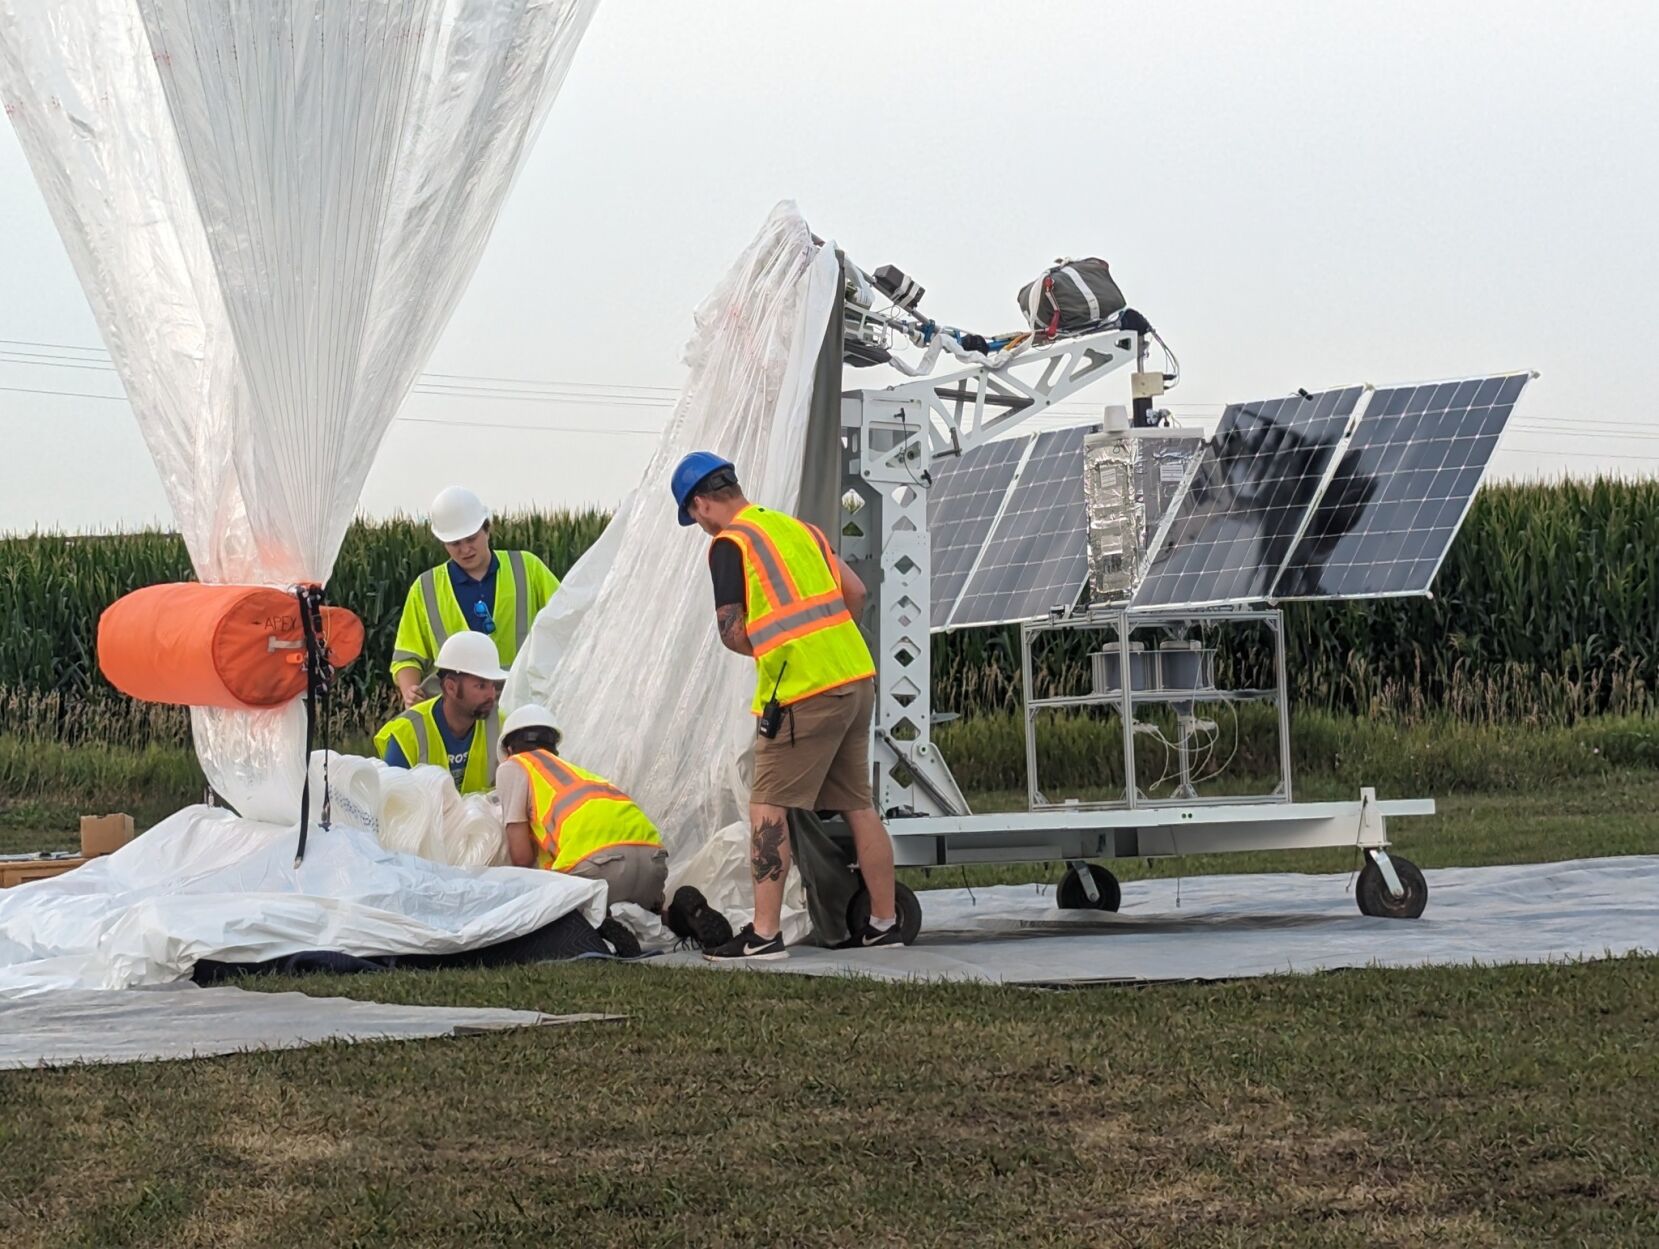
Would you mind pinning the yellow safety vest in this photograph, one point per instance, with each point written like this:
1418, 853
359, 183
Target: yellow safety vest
432, 614
805, 640
576, 814
422, 741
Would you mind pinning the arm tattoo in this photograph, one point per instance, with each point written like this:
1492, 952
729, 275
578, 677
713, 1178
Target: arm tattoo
734, 629
766, 850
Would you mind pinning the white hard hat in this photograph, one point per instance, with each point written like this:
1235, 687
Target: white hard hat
529, 716
457, 513
473, 654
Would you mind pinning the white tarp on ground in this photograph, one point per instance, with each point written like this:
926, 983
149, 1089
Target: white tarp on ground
203, 884
1236, 926
186, 1022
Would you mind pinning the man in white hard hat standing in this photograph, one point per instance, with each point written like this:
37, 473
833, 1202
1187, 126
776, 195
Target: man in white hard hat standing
477, 590
566, 819
459, 728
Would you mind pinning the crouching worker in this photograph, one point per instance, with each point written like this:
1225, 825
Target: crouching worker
566, 819
458, 728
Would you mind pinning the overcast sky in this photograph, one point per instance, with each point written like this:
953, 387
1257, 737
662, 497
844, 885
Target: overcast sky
1295, 194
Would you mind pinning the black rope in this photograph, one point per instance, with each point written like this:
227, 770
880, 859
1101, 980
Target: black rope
319, 679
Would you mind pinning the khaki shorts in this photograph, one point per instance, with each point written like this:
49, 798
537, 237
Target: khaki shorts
637, 874
824, 765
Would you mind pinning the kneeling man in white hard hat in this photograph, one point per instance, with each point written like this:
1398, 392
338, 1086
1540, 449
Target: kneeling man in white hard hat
566, 819
478, 590
458, 728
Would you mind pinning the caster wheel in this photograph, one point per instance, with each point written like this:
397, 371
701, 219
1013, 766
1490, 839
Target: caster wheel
1374, 898
909, 909
1072, 897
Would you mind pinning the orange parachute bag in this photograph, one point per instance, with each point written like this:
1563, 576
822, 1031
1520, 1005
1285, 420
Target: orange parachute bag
217, 645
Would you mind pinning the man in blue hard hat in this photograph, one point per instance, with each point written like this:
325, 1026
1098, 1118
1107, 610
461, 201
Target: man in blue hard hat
783, 597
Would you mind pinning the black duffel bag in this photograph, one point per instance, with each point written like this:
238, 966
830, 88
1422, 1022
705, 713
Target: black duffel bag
1073, 296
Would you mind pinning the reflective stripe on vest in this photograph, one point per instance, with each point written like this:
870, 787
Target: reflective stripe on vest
434, 612
804, 639
521, 600
432, 601
562, 798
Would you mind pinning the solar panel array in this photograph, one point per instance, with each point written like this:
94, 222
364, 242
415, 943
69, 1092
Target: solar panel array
1037, 556
1252, 488
1405, 482
965, 497
1292, 498
1007, 529
1287, 503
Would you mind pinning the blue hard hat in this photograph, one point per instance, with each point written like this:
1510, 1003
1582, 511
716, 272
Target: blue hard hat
692, 472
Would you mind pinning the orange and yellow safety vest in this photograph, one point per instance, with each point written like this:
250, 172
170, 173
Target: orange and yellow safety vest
805, 640
576, 814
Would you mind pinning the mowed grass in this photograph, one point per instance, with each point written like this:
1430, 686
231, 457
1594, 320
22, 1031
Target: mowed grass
1447, 1107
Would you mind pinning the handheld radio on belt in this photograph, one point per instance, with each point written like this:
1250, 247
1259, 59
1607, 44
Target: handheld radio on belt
771, 716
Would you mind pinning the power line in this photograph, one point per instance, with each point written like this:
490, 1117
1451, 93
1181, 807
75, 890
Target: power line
461, 385
418, 420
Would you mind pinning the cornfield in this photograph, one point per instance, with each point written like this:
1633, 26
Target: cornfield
1546, 612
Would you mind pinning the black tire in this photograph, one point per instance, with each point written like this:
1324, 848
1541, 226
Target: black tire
1071, 895
1374, 898
905, 901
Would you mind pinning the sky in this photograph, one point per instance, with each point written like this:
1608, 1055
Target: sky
1297, 195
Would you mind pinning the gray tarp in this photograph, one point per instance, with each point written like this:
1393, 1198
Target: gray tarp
1257, 925
113, 1026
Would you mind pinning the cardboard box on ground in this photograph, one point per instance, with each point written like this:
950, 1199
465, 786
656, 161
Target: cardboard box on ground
104, 834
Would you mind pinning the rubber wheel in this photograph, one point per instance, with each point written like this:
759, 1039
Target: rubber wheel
1374, 898
905, 901
1072, 897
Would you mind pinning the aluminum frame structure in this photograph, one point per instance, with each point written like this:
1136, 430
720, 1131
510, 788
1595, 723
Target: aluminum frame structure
1123, 624
893, 435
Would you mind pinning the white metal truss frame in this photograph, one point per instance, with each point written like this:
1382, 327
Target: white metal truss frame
893, 435
1149, 832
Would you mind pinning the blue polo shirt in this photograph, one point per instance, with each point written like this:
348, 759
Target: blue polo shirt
470, 593
457, 748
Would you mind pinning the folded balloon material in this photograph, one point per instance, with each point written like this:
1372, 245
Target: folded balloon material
414, 811
215, 645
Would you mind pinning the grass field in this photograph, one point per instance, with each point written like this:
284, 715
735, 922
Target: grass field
1510, 1106
1463, 1107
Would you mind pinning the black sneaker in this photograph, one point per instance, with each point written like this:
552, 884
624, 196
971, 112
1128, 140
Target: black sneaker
872, 938
747, 946
693, 920
619, 937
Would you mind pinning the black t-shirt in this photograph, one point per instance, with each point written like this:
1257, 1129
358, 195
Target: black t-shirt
726, 570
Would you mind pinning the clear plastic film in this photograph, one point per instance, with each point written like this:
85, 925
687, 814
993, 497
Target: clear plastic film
1130, 480
625, 654
274, 206
1115, 513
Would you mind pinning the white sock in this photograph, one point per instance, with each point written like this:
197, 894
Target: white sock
882, 925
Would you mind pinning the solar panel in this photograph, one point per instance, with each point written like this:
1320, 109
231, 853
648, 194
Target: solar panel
1037, 556
1403, 486
964, 498
1254, 486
